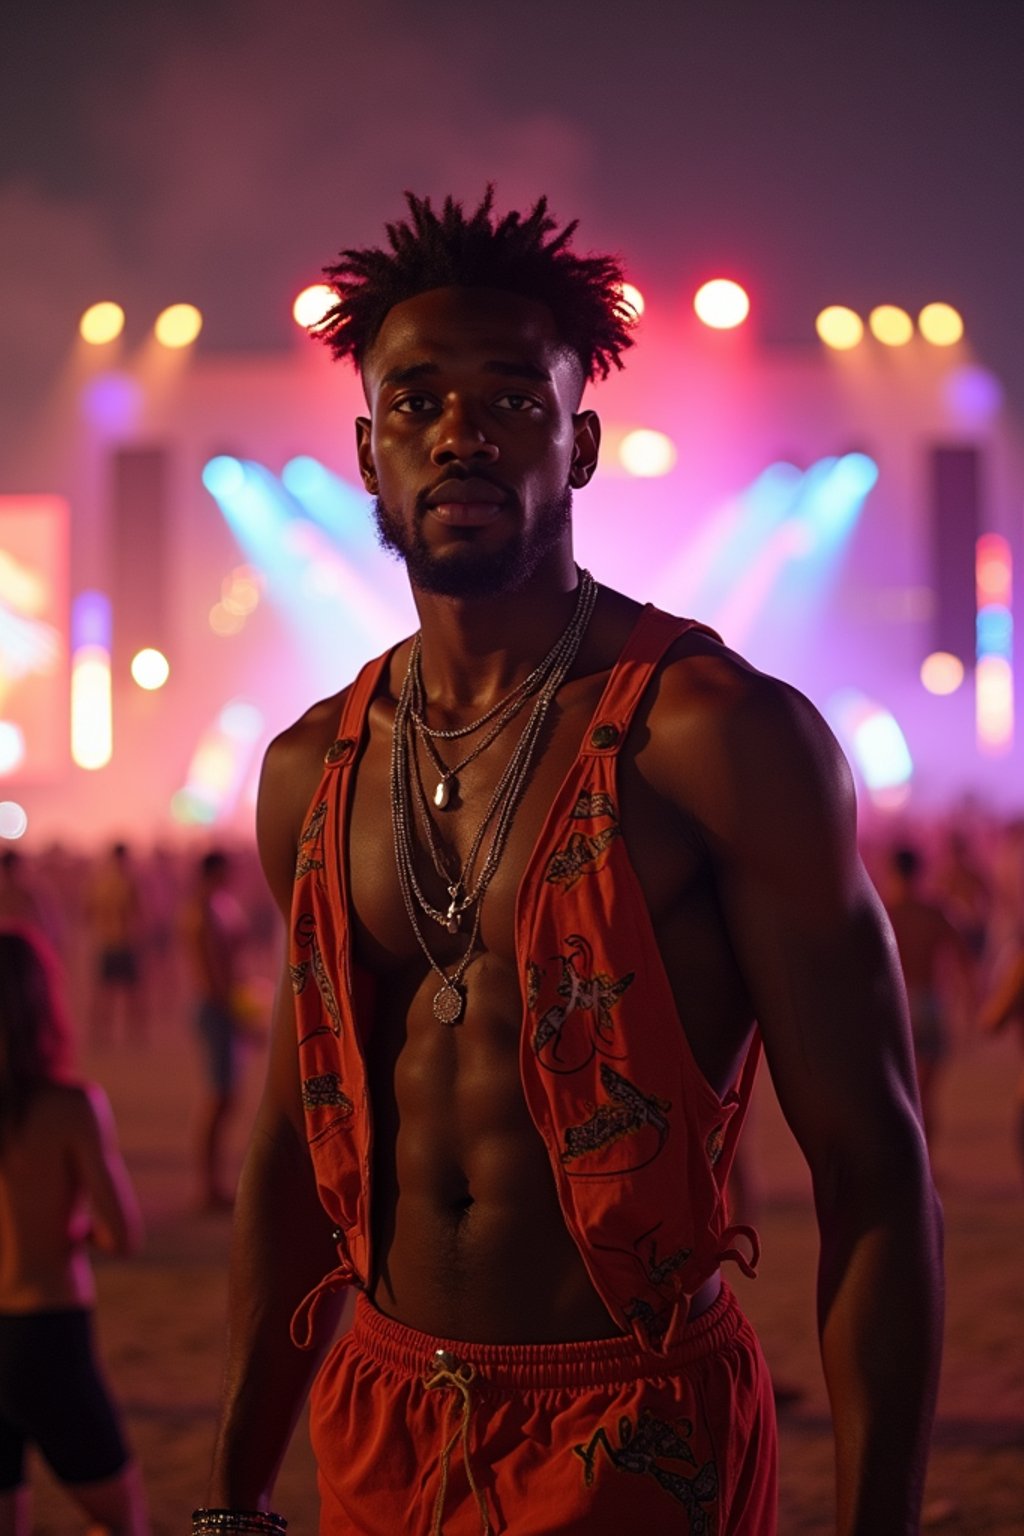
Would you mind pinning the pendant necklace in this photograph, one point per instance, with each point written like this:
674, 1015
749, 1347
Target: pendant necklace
465, 891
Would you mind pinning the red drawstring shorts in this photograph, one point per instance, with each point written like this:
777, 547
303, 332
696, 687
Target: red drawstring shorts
416, 1435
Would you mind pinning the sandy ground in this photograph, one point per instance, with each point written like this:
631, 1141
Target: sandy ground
161, 1316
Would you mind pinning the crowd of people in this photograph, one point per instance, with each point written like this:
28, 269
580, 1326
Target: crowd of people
114, 949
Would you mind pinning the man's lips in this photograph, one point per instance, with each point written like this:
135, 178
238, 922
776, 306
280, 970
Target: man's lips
466, 503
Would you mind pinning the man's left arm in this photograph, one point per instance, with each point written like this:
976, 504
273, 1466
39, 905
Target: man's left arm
774, 804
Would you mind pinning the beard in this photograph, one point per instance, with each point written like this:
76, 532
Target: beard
466, 570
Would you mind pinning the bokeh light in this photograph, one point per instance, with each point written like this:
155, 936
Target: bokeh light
974, 394
101, 323
224, 622
178, 325
942, 672
150, 668
241, 590
839, 328
13, 819
312, 305
891, 325
940, 324
721, 304
647, 453
12, 746
633, 301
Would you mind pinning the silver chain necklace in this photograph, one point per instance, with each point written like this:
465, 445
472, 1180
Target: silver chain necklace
463, 890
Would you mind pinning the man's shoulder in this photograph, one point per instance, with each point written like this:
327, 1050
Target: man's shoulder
719, 730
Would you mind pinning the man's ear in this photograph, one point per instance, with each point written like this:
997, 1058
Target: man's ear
587, 434
364, 454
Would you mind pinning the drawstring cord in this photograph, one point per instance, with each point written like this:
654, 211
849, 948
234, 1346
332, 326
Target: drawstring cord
449, 1371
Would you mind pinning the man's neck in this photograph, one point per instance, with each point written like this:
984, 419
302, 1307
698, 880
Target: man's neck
475, 650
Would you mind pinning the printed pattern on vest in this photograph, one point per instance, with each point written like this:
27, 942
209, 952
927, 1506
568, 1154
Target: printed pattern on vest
645, 1443
585, 853
310, 854
304, 937
580, 1024
629, 1116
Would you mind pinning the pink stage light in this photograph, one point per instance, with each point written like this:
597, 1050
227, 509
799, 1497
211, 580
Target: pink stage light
993, 571
721, 304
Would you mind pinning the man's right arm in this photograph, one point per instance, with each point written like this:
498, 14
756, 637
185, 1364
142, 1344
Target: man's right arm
281, 1243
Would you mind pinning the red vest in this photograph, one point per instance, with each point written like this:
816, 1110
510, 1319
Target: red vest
639, 1144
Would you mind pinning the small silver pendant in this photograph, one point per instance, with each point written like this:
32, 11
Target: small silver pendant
443, 792
448, 1003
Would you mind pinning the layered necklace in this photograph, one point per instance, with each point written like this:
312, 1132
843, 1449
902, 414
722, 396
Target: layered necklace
467, 884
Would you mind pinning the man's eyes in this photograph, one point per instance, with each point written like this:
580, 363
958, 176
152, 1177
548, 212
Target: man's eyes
511, 400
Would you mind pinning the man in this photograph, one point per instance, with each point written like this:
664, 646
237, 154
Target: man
543, 867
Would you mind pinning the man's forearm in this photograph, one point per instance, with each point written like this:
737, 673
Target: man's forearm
880, 1313
280, 1250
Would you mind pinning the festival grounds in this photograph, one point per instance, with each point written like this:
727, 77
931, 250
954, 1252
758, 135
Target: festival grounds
161, 1315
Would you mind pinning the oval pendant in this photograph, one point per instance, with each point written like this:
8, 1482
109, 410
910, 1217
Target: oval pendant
448, 1004
443, 793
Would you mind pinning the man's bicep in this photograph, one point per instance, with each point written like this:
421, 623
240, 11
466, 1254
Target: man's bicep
810, 937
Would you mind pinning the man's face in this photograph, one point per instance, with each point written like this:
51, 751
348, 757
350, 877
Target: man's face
473, 445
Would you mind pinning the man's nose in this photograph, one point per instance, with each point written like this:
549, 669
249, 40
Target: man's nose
463, 434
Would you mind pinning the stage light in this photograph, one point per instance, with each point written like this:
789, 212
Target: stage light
224, 476
313, 304
632, 303
12, 746
993, 570
942, 673
178, 325
993, 685
92, 742
101, 323
891, 325
876, 744
646, 453
940, 324
150, 669
995, 631
721, 304
13, 820
839, 327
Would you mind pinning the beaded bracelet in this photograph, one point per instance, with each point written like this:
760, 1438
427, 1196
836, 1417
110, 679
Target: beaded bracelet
237, 1522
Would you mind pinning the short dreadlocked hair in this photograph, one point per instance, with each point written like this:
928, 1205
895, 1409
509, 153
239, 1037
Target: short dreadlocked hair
584, 293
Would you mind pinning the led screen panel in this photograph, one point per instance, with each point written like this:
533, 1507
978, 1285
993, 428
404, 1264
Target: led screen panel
33, 637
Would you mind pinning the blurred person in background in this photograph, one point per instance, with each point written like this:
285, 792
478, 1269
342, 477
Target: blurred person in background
932, 951
114, 913
215, 932
63, 1185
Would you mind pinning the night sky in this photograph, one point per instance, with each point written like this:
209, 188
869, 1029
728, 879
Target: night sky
221, 151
